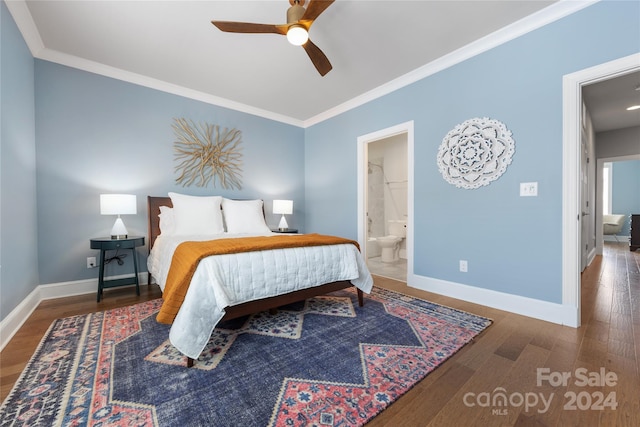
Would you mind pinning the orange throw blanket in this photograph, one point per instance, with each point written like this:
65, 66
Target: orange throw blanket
188, 254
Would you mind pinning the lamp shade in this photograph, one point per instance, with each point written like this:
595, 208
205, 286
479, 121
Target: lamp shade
118, 204
284, 207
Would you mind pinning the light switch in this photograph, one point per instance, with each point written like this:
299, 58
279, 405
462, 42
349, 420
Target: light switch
528, 189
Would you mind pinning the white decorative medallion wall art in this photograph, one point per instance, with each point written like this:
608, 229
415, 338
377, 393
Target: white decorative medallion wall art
475, 152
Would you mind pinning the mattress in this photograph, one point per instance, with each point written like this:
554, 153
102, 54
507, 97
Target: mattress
226, 280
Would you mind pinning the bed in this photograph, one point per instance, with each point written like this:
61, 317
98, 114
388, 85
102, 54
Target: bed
226, 286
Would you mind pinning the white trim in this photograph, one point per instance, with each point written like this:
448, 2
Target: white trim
67, 289
571, 119
621, 239
552, 13
525, 25
362, 141
591, 255
22, 17
538, 309
607, 168
145, 81
16, 318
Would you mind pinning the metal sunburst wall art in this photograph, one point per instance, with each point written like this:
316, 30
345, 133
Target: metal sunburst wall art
207, 154
475, 153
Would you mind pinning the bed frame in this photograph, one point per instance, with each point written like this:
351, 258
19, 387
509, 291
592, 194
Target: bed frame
250, 307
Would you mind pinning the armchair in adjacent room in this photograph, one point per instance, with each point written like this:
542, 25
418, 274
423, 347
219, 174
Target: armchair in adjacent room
612, 225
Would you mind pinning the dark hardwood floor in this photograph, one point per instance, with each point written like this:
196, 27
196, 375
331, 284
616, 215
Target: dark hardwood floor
504, 359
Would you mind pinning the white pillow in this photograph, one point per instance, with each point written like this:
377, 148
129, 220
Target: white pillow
167, 221
197, 214
244, 216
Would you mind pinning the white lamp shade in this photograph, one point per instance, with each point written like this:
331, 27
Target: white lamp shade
118, 204
284, 207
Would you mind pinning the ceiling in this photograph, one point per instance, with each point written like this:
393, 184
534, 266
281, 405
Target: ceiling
374, 46
607, 102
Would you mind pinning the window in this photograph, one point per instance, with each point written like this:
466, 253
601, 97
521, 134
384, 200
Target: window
607, 173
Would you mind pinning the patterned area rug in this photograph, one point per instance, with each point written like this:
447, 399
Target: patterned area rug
324, 361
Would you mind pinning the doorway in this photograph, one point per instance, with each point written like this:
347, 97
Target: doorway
572, 166
385, 201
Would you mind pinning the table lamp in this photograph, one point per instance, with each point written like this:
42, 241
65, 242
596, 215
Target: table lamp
118, 204
284, 207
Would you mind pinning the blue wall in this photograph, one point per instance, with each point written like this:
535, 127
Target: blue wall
18, 232
625, 197
99, 135
72, 135
512, 244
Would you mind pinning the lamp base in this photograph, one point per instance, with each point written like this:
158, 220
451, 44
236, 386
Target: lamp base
119, 231
283, 226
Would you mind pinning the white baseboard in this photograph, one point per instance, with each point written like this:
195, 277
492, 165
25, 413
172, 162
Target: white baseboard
14, 320
591, 256
611, 238
538, 309
67, 289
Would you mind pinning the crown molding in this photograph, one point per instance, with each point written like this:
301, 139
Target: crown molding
525, 25
22, 16
161, 85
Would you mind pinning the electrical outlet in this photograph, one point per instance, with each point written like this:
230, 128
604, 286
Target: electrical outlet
463, 266
91, 262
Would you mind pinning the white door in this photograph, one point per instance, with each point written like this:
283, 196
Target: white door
585, 218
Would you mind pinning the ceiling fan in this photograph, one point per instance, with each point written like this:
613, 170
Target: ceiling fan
299, 20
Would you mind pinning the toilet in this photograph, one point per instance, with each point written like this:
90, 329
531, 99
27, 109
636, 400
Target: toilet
390, 244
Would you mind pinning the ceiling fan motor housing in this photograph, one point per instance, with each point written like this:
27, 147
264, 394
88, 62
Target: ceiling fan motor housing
295, 13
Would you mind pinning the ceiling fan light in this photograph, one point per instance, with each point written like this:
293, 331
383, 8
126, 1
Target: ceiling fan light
297, 35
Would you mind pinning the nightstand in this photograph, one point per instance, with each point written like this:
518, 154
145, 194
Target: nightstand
105, 244
288, 230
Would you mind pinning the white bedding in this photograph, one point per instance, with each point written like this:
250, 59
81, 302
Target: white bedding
226, 280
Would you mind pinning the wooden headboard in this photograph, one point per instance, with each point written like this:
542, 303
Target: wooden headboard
153, 204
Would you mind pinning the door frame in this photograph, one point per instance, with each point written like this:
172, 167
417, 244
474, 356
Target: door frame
362, 159
571, 219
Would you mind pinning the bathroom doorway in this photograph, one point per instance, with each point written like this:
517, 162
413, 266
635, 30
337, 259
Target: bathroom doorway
385, 190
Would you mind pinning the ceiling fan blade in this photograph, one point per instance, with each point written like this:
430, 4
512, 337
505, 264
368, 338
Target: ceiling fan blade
318, 58
247, 27
315, 8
